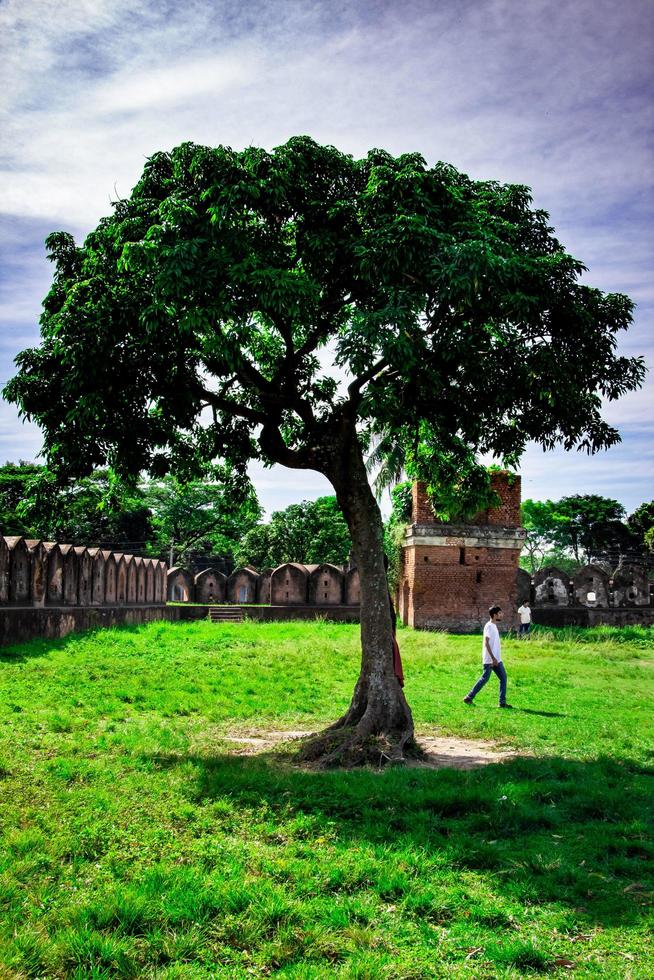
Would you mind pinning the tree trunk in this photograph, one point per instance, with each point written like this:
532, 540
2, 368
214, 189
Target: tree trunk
378, 724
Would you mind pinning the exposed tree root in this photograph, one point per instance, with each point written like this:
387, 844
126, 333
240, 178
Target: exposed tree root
354, 746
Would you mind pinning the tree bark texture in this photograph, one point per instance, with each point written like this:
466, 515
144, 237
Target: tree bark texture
378, 724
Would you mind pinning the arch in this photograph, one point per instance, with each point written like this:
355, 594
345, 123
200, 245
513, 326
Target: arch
630, 586
85, 576
98, 575
149, 579
54, 585
288, 585
551, 587
110, 579
210, 586
140, 580
242, 586
326, 585
121, 579
130, 563
180, 585
38, 572
70, 574
19, 570
263, 586
590, 587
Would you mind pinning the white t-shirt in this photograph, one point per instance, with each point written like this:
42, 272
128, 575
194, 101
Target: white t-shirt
524, 612
491, 631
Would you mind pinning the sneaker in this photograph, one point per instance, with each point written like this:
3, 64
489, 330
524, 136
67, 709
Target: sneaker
506, 706
467, 700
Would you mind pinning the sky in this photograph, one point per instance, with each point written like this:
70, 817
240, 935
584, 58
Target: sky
556, 95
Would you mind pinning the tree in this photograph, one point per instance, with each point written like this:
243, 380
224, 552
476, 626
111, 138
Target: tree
188, 327
310, 532
212, 513
15, 480
94, 510
540, 520
587, 524
641, 524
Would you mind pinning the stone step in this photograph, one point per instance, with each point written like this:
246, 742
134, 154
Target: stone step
226, 614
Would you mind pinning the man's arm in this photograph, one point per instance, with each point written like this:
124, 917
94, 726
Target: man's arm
490, 652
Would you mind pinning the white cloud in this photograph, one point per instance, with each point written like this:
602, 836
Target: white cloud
554, 95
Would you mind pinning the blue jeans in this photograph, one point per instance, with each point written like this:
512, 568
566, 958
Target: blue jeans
525, 629
501, 673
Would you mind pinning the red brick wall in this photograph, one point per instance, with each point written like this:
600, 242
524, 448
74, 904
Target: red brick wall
451, 587
421, 512
443, 593
506, 514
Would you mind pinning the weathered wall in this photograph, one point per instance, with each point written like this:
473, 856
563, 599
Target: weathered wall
37, 573
326, 586
45, 586
18, 624
593, 596
505, 514
242, 586
452, 573
586, 616
210, 586
289, 584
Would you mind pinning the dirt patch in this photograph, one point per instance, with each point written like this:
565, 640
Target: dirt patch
446, 752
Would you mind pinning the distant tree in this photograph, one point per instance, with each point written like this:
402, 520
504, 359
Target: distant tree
96, 509
310, 532
209, 514
15, 480
587, 524
190, 324
539, 519
641, 523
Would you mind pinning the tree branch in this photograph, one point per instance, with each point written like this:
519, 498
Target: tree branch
275, 448
355, 387
232, 408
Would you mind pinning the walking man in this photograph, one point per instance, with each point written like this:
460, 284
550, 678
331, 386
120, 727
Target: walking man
491, 657
524, 612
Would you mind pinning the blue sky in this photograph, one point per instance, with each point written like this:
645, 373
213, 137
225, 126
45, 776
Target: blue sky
552, 94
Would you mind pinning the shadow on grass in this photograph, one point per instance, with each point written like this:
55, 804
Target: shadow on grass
574, 834
542, 714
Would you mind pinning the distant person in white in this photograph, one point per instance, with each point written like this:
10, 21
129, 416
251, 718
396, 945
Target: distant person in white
491, 656
524, 612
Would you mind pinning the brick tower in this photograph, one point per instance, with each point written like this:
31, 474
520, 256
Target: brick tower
452, 573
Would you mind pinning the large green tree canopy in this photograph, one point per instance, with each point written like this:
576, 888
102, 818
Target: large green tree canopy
458, 316
300, 306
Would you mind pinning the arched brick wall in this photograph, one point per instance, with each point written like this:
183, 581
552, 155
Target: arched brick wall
326, 585
289, 585
210, 586
551, 587
242, 586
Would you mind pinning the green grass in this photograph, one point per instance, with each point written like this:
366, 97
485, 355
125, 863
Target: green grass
134, 843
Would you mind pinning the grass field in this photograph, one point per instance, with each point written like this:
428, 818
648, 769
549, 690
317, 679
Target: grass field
135, 843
